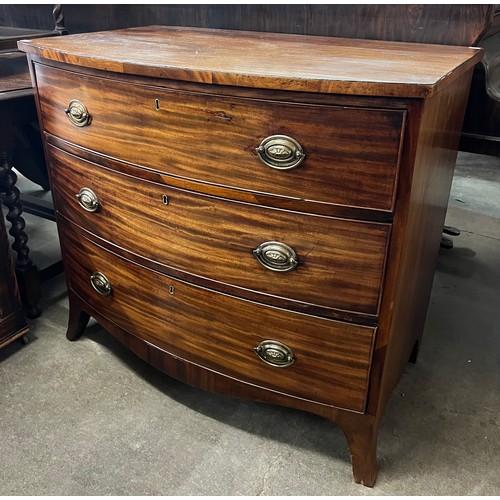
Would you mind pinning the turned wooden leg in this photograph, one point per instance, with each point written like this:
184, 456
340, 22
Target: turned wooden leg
26, 272
77, 321
361, 435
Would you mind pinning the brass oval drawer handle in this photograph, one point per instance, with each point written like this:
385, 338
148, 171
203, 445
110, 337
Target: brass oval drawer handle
275, 353
100, 283
280, 152
77, 113
276, 256
88, 199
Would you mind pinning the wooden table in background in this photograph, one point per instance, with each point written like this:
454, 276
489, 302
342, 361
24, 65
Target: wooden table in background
17, 106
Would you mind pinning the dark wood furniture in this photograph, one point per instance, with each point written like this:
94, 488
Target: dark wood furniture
455, 24
17, 107
10, 35
12, 322
481, 130
18, 111
255, 214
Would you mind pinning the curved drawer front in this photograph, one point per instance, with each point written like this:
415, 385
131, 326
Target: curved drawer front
351, 154
331, 360
339, 263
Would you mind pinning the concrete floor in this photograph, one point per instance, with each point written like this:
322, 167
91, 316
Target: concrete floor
89, 418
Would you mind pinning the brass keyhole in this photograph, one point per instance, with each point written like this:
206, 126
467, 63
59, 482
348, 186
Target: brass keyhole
171, 289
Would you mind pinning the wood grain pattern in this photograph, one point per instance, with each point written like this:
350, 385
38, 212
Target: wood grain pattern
234, 193
264, 60
341, 263
352, 154
188, 333
333, 358
422, 214
430, 154
196, 375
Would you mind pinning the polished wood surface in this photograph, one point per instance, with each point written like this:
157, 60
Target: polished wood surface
214, 238
194, 136
422, 215
417, 147
247, 59
332, 357
451, 24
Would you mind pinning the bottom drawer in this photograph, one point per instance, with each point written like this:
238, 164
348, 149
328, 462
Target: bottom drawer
323, 360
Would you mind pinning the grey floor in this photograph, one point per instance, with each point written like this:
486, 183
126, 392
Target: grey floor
89, 418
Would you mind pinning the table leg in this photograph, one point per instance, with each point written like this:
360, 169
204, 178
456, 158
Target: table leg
26, 272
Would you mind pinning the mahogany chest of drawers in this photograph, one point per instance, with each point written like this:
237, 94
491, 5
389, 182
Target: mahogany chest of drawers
255, 214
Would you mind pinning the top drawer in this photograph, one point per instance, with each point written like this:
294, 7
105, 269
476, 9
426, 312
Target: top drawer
351, 154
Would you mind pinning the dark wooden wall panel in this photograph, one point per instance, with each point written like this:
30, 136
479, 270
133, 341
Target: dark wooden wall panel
446, 24
442, 24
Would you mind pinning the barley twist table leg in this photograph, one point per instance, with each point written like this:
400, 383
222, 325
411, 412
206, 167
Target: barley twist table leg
26, 271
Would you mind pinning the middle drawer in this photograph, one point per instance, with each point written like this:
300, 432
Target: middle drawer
337, 263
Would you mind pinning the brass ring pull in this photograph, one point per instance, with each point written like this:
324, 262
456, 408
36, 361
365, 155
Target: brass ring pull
280, 152
275, 353
100, 283
88, 199
276, 256
77, 113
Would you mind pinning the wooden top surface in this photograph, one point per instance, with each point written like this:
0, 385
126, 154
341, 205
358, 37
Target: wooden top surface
10, 35
14, 75
264, 60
